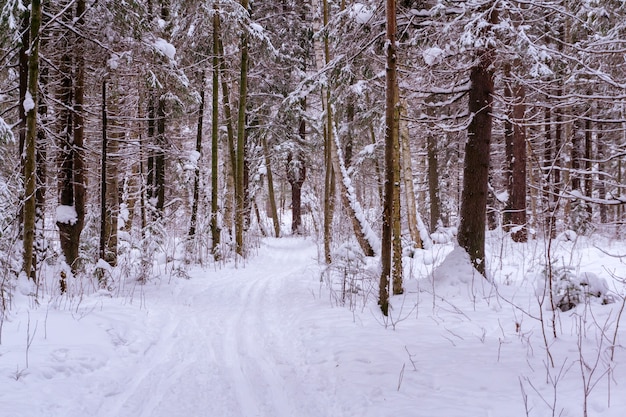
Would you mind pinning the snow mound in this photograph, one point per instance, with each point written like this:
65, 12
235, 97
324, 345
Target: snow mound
455, 269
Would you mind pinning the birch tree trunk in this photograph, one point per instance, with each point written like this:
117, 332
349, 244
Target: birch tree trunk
409, 190
229, 202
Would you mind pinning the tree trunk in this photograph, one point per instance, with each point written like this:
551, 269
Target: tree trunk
109, 193
471, 235
270, 188
396, 226
329, 179
409, 190
240, 193
215, 227
433, 182
30, 143
22, 89
517, 197
150, 177
103, 175
230, 134
159, 160
508, 149
296, 174
391, 97
362, 230
196, 179
72, 193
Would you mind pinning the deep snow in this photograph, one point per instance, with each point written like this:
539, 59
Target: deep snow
271, 338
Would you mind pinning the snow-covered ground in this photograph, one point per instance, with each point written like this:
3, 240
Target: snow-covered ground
272, 338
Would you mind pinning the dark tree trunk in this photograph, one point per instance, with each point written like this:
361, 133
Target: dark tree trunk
518, 167
508, 148
72, 169
159, 160
471, 235
349, 139
150, 182
240, 174
391, 131
196, 178
215, 228
30, 145
270, 189
103, 174
433, 182
296, 174
23, 87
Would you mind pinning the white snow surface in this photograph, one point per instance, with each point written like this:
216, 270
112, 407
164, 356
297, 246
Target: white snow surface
29, 103
267, 338
66, 214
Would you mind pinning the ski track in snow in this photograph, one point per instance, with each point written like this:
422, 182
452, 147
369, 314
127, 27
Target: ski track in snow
231, 350
264, 339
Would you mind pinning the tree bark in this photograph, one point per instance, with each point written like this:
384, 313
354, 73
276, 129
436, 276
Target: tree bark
196, 178
215, 228
159, 160
230, 134
471, 235
72, 193
103, 174
30, 143
396, 226
240, 193
518, 167
22, 89
433, 182
296, 174
390, 139
270, 188
329, 178
409, 190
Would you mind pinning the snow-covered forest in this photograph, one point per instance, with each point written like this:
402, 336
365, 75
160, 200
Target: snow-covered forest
312, 208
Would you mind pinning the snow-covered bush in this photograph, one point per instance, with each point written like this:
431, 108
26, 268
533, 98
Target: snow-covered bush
570, 289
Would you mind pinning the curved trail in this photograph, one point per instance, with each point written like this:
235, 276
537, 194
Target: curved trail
231, 345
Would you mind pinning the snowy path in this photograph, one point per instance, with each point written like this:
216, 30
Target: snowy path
266, 340
232, 347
